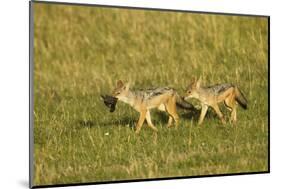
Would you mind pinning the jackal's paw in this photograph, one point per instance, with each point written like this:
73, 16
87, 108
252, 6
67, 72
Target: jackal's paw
223, 121
233, 123
155, 129
169, 126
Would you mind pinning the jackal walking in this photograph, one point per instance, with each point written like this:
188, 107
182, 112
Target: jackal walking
213, 95
163, 98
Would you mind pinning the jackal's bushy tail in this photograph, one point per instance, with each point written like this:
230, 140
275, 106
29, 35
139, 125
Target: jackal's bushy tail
240, 98
181, 103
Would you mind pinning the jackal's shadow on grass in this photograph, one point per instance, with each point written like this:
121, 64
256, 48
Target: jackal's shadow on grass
163, 117
122, 121
158, 118
195, 114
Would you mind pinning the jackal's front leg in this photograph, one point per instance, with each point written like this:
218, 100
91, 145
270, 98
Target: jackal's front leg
203, 113
217, 110
141, 120
149, 122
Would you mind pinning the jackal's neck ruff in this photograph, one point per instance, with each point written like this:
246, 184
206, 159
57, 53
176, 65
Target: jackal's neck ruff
129, 98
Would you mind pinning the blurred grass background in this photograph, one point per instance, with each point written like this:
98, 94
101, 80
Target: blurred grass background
80, 52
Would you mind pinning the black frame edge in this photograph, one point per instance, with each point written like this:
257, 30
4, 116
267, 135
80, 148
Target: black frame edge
268, 80
31, 139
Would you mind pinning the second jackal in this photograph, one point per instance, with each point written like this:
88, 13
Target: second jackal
163, 98
213, 95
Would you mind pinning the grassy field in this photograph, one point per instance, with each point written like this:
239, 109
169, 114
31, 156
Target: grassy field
80, 53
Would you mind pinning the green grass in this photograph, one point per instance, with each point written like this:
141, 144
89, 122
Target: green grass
80, 52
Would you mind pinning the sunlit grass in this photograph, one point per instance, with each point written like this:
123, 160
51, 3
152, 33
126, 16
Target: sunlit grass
80, 52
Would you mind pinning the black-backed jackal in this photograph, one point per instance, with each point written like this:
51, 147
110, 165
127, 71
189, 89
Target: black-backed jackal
164, 98
213, 95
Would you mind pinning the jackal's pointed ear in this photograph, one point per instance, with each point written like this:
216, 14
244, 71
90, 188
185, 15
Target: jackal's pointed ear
198, 83
120, 83
193, 82
127, 86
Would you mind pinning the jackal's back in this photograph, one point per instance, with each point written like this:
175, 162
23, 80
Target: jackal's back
148, 94
219, 88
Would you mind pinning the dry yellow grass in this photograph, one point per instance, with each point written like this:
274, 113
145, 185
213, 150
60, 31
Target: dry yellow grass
81, 51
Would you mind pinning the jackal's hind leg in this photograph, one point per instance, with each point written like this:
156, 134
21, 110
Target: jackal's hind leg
176, 118
172, 111
230, 103
150, 124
